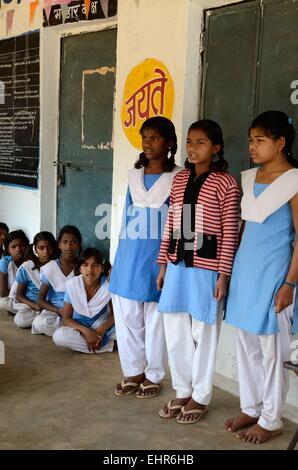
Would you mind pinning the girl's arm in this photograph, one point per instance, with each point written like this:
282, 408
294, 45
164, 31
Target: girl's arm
242, 227
20, 296
161, 276
43, 292
284, 296
3, 285
90, 335
229, 206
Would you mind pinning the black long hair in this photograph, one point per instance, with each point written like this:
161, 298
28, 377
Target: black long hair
214, 133
164, 127
15, 235
41, 236
99, 258
276, 124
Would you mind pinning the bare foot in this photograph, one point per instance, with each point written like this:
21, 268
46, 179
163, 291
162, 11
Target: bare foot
257, 435
185, 417
240, 421
123, 389
172, 409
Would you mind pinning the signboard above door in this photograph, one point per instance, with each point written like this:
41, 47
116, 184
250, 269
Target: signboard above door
66, 11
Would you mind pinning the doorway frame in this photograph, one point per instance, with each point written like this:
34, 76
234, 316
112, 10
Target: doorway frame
50, 71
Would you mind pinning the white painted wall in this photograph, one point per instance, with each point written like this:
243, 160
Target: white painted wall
168, 30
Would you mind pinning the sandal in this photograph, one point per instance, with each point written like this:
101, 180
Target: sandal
134, 386
156, 387
196, 411
163, 414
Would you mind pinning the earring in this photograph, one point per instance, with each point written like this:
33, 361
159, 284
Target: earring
34, 251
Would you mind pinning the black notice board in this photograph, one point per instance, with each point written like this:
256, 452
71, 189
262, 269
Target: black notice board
19, 110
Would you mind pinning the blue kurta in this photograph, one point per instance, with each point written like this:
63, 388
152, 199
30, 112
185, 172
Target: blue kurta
260, 268
189, 290
31, 291
135, 268
53, 297
4, 263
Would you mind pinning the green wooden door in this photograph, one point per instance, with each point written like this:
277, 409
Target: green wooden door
250, 66
85, 161
278, 69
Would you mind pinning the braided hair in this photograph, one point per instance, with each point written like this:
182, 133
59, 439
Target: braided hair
166, 129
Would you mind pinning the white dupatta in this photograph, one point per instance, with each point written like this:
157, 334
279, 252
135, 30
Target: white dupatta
55, 276
33, 275
278, 193
159, 192
78, 296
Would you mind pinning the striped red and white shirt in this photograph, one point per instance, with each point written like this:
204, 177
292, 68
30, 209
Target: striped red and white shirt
218, 201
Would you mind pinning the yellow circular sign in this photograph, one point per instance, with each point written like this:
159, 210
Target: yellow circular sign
148, 92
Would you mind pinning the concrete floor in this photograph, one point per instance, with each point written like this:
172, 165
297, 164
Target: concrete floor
57, 399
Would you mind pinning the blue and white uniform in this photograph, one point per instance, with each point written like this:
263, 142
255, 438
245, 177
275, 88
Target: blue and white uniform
52, 276
28, 275
260, 268
139, 327
92, 314
9, 268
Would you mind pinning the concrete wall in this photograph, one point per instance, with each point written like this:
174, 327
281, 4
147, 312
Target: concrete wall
168, 30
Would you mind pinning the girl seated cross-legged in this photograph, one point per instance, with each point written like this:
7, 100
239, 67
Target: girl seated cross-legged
15, 246
87, 314
53, 281
26, 288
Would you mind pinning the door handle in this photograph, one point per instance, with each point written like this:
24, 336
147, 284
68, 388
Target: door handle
62, 165
61, 172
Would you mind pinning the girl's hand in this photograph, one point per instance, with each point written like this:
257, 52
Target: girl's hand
93, 339
36, 307
283, 298
161, 277
100, 332
221, 287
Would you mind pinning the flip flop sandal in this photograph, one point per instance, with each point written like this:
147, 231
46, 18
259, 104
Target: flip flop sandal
177, 408
157, 388
134, 387
197, 411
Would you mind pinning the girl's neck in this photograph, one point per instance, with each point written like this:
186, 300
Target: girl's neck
278, 165
67, 261
155, 167
92, 288
201, 168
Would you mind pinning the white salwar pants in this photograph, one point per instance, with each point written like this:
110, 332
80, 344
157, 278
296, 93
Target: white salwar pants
24, 316
191, 346
6, 305
140, 338
46, 323
68, 337
263, 380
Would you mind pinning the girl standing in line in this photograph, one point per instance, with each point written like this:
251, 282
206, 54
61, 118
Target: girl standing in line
27, 283
260, 303
196, 258
53, 281
87, 313
139, 327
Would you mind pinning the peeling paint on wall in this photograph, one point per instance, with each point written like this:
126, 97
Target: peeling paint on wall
101, 71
